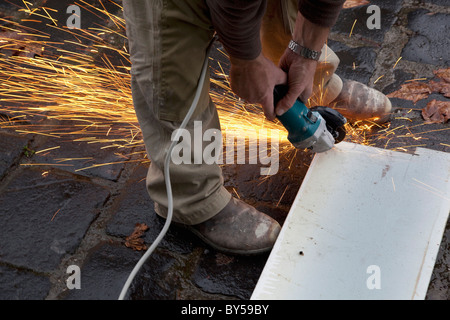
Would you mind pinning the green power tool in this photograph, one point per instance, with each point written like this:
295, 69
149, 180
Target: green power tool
317, 129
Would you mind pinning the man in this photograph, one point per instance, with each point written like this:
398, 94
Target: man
168, 42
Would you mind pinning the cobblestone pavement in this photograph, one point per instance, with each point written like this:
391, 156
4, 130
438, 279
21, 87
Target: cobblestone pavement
53, 217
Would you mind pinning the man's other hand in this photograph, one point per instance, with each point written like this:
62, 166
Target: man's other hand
254, 81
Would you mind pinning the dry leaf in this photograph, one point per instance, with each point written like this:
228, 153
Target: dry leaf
442, 87
436, 111
135, 241
413, 91
443, 74
354, 3
416, 91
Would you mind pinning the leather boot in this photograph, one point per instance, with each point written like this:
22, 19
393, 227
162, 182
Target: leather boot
238, 229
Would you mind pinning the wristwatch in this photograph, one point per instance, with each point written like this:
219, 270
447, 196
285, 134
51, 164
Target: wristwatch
303, 51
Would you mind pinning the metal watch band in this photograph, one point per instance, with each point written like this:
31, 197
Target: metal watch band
303, 51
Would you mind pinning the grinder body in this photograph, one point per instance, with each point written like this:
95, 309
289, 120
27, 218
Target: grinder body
317, 129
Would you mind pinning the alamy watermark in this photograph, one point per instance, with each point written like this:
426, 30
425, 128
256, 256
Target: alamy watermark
197, 146
74, 280
374, 21
74, 20
374, 280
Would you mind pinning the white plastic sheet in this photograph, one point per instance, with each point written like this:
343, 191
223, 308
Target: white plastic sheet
366, 224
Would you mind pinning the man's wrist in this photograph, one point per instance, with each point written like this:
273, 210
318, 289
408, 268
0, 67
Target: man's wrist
304, 51
308, 34
242, 62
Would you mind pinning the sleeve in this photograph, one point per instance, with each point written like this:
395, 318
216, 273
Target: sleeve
321, 12
238, 23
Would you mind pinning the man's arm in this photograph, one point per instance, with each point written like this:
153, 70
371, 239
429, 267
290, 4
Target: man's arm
321, 12
237, 23
252, 75
301, 70
312, 26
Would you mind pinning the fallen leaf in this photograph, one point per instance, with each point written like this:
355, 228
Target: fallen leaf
416, 91
442, 87
354, 3
134, 240
413, 91
436, 111
443, 74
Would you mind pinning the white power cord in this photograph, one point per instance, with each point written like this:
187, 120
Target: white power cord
167, 178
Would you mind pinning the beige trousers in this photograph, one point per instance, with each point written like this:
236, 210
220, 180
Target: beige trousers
168, 42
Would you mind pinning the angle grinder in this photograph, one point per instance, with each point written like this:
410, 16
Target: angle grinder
317, 129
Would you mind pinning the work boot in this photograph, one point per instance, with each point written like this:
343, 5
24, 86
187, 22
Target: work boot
238, 229
359, 102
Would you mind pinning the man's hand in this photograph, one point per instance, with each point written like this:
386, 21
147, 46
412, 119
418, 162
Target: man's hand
254, 81
300, 79
301, 70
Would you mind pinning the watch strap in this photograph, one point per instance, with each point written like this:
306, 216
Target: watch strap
303, 51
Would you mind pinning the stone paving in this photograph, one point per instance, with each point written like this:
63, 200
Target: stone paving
53, 217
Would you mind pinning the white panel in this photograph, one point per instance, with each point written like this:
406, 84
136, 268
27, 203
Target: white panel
359, 208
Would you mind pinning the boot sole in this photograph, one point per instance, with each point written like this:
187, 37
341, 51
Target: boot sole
221, 249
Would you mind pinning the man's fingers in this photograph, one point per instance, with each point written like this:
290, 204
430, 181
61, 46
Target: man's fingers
304, 96
269, 110
286, 103
268, 107
282, 77
292, 95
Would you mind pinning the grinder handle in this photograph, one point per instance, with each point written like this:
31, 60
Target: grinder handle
298, 120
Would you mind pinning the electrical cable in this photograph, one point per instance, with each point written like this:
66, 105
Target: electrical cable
167, 177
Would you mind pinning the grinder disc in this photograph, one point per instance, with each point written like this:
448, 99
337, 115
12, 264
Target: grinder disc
334, 121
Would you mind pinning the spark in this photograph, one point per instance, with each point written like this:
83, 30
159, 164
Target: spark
351, 31
403, 118
45, 164
378, 79
282, 195
417, 79
106, 164
55, 214
236, 193
431, 189
50, 17
404, 148
396, 62
48, 149
59, 160
38, 133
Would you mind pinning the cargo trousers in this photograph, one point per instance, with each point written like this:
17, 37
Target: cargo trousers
168, 41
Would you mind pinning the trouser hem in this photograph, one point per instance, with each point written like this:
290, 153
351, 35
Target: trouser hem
207, 209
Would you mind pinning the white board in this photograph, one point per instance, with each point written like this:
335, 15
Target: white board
366, 224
